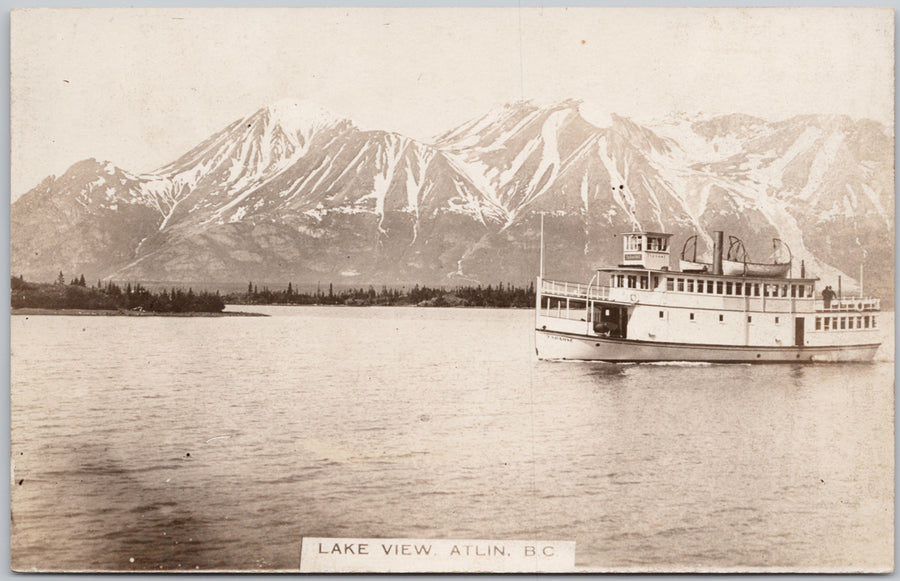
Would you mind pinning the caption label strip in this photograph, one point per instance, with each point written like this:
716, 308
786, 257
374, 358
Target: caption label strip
350, 555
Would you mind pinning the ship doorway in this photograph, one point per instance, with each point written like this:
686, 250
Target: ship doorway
798, 331
610, 320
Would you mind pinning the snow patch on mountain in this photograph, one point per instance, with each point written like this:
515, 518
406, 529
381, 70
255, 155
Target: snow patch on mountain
623, 199
548, 166
769, 169
386, 161
821, 163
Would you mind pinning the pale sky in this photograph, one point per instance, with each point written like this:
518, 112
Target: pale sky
139, 87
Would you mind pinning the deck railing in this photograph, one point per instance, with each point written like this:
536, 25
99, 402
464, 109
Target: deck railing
849, 304
583, 291
573, 290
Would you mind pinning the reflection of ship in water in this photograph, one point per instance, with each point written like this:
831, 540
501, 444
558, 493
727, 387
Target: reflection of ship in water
731, 310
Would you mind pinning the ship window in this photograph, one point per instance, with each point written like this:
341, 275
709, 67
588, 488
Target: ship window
662, 314
690, 285
692, 316
670, 284
738, 288
644, 282
709, 287
728, 288
749, 318
793, 290
622, 280
699, 286
718, 287
784, 290
827, 323
756, 289
866, 321
818, 323
655, 282
834, 323
874, 324
850, 322
776, 320
681, 285
652, 243
556, 307
721, 318
632, 281
859, 322
843, 322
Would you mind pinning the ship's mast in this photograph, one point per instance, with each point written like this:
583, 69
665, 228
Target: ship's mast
861, 294
542, 245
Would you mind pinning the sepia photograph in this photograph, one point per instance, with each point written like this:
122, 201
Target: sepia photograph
511, 289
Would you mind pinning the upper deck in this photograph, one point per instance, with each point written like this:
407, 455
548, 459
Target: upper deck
691, 290
645, 276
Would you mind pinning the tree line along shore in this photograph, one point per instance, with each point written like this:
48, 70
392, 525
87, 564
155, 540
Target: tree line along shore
77, 295
135, 298
499, 296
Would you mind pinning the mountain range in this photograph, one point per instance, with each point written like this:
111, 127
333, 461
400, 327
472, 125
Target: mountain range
295, 193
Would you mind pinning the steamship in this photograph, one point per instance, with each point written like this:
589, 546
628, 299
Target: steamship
642, 311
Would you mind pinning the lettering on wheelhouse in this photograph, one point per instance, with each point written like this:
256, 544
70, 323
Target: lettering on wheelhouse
728, 302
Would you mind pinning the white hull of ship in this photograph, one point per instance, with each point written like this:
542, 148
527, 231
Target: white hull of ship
557, 346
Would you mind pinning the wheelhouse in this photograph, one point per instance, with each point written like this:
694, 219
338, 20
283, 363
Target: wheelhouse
648, 250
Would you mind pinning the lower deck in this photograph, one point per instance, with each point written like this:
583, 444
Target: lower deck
656, 318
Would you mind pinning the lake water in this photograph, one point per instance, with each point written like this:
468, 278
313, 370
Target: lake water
142, 443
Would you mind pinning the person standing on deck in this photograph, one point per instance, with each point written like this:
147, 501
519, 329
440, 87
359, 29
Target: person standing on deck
827, 296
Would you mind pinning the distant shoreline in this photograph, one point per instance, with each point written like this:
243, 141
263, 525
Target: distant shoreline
365, 306
122, 313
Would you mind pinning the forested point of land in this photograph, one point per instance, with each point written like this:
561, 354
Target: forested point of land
500, 296
77, 295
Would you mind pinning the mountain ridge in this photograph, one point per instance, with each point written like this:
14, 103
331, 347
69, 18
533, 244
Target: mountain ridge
293, 192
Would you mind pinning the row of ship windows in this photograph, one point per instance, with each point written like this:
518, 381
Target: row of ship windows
715, 287
662, 315
634, 244
838, 323
822, 323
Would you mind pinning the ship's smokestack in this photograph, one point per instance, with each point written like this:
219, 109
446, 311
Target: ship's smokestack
718, 243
